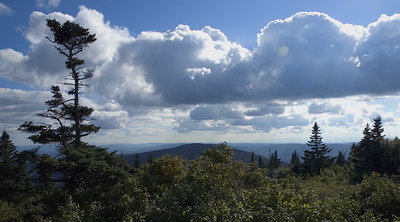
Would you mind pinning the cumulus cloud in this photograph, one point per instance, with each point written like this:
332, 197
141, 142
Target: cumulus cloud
5, 10
18, 106
306, 56
110, 116
47, 3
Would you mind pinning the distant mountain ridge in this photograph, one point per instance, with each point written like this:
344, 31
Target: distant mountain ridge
187, 151
284, 150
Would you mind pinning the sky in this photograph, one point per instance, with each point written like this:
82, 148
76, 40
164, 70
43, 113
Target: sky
210, 71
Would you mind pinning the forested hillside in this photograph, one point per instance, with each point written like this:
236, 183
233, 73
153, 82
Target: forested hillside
188, 151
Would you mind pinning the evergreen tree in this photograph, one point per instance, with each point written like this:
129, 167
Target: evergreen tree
14, 179
85, 171
253, 159
295, 164
340, 159
316, 158
91, 169
358, 153
274, 162
151, 159
260, 162
137, 161
391, 155
376, 151
70, 39
377, 130
368, 155
46, 167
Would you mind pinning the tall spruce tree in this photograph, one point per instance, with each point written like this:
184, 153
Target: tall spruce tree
316, 159
253, 158
260, 162
377, 153
368, 155
14, 179
340, 159
274, 162
295, 164
67, 113
89, 169
358, 155
137, 161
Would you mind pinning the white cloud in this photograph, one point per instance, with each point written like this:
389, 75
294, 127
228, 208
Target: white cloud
47, 3
218, 84
18, 106
308, 55
5, 10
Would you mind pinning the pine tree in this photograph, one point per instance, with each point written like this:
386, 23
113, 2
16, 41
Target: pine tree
253, 158
368, 155
358, 153
80, 166
274, 162
316, 158
70, 39
260, 162
137, 161
340, 159
376, 151
295, 164
14, 179
151, 159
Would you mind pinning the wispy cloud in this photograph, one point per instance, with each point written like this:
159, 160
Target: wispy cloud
5, 10
47, 3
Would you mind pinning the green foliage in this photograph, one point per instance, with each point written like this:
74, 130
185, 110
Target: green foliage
376, 196
260, 162
91, 168
219, 154
253, 158
295, 164
46, 166
15, 180
137, 161
374, 153
391, 156
162, 173
340, 159
330, 182
99, 186
274, 162
127, 201
10, 212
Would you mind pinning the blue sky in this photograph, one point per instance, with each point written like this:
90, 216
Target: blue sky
209, 71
